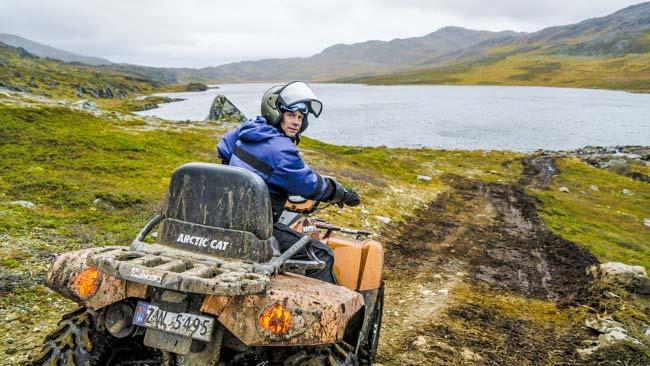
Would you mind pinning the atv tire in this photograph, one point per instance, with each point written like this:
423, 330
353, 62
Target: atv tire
339, 354
368, 351
82, 340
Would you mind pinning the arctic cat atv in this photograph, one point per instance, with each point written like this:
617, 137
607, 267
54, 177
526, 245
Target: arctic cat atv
212, 288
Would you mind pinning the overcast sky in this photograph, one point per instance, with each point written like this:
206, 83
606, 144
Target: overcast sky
197, 33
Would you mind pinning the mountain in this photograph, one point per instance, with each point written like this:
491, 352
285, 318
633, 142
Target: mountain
357, 59
607, 52
44, 51
620, 33
625, 31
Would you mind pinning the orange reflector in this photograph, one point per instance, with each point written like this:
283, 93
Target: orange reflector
276, 319
87, 282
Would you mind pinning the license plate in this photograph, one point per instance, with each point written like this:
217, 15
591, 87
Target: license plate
190, 325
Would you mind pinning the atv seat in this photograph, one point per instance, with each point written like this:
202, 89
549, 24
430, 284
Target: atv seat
218, 210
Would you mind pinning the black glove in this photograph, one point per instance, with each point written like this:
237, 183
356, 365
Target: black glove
340, 195
351, 198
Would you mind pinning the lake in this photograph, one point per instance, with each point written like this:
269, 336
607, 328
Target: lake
451, 117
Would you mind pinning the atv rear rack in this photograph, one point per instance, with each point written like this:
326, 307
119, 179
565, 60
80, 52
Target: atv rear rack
181, 273
174, 269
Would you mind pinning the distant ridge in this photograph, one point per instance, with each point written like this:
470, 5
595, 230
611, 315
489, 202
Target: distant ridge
358, 59
579, 55
44, 51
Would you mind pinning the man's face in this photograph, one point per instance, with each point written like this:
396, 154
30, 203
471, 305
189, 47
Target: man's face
291, 123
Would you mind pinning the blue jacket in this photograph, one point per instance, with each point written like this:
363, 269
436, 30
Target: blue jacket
261, 148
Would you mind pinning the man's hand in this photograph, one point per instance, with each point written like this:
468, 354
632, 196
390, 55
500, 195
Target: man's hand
351, 198
341, 195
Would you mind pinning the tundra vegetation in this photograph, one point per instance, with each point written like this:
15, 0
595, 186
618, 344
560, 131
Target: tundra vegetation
483, 266
96, 179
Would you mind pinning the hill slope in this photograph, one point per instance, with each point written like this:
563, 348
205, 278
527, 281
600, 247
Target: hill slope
42, 50
22, 71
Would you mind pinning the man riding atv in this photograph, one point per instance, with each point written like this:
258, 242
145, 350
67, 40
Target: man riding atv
266, 146
212, 287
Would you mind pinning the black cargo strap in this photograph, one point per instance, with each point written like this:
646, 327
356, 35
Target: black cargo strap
253, 161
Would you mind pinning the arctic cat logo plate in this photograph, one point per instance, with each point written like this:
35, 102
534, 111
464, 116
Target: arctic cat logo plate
202, 242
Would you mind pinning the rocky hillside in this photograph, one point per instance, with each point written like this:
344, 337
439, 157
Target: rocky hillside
20, 70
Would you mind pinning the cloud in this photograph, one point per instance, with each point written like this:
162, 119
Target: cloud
209, 32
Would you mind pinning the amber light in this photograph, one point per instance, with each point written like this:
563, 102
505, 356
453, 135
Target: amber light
276, 319
87, 282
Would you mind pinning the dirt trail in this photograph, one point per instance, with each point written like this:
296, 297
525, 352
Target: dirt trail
481, 237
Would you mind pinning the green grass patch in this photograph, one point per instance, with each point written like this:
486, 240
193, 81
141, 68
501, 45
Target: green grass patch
87, 174
605, 220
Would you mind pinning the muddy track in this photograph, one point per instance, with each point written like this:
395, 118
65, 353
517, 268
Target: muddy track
486, 236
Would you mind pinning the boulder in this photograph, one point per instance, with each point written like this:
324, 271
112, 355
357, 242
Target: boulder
613, 337
604, 325
423, 178
85, 104
196, 87
383, 219
419, 342
633, 278
564, 189
627, 192
25, 204
223, 109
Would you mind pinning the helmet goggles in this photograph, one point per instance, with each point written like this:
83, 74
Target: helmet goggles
302, 107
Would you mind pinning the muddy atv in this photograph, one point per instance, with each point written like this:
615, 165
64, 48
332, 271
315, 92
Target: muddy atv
210, 287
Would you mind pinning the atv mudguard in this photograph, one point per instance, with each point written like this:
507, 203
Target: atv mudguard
320, 312
67, 267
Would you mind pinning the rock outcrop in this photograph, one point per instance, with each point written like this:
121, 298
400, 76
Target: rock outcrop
85, 104
106, 92
223, 109
633, 278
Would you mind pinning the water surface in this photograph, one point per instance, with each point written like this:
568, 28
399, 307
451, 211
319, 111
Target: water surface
452, 117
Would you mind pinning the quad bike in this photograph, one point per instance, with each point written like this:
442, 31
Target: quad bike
212, 288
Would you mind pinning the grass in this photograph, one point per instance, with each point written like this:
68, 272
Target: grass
607, 222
